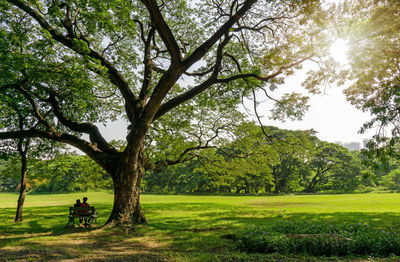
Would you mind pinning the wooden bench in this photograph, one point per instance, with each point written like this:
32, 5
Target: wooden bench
85, 212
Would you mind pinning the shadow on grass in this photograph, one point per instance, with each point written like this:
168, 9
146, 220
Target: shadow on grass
98, 245
45, 236
41, 221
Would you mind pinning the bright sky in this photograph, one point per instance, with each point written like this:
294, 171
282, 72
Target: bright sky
334, 118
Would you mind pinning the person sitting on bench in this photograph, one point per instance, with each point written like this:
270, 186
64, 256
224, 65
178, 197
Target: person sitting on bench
81, 218
78, 203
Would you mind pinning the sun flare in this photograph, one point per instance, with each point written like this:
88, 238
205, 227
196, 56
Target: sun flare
338, 50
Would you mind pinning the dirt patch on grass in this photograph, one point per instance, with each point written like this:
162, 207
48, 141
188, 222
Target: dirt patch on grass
97, 245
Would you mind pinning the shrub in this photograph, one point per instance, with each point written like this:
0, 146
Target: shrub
321, 239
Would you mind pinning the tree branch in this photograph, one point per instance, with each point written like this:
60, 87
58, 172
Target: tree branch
147, 75
176, 68
90, 149
180, 99
203, 49
35, 109
88, 128
114, 75
165, 163
200, 73
164, 31
264, 78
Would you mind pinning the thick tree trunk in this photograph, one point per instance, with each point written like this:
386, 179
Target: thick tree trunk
127, 209
22, 191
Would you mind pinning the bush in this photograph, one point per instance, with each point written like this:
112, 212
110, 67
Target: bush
320, 239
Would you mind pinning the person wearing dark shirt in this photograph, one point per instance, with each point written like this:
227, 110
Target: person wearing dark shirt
78, 203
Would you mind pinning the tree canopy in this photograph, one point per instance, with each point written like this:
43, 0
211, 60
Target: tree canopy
372, 30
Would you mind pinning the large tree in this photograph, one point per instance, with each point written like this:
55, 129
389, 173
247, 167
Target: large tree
160, 64
326, 158
14, 115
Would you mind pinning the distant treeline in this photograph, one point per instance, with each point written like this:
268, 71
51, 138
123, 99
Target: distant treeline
252, 163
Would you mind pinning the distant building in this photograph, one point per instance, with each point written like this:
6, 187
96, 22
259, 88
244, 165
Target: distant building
365, 142
351, 146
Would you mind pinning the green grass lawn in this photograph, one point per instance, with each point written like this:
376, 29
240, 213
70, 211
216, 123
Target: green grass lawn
182, 228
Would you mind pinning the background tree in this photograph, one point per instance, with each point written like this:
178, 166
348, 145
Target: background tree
293, 148
69, 173
62, 173
20, 145
349, 176
327, 158
392, 180
23, 147
248, 158
10, 167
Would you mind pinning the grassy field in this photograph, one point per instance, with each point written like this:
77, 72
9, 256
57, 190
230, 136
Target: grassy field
182, 228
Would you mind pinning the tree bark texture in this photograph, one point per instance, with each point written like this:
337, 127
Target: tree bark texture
127, 177
22, 191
